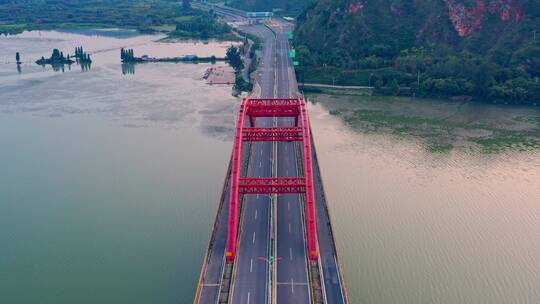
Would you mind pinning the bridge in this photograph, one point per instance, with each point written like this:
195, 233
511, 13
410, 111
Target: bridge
272, 239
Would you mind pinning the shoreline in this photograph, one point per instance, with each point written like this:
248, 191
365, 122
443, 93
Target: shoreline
353, 90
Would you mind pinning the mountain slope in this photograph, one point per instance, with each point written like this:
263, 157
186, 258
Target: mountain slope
486, 49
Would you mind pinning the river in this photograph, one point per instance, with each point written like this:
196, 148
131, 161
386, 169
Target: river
432, 201
111, 177
109, 181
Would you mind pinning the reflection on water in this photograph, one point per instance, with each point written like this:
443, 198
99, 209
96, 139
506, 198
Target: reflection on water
128, 68
107, 180
85, 66
59, 67
113, 33
415, 225
137, 101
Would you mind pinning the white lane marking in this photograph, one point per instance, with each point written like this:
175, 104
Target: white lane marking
257, 196
290, 252
251, 266
253, 237
261, 151
289, 206
249, 294
292, 285
289, 227
260, 164
255, 213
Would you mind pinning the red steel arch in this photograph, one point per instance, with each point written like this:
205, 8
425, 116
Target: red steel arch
271, 107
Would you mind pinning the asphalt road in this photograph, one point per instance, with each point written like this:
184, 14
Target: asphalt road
292, 284
252, 272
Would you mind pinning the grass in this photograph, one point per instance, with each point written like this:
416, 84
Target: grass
13, 28
440, 135
165, 28
339, 91
503, 141
445, 148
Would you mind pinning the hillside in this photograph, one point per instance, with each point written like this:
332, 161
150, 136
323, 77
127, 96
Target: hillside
484, 49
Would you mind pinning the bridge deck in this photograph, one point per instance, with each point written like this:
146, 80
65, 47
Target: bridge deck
279, 230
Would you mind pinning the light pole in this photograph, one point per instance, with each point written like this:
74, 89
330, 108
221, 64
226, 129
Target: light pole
270, 262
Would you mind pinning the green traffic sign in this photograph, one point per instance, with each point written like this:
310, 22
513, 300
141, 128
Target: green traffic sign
296, 63
292, 53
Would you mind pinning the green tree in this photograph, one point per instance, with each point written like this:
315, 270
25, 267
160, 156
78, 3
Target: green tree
233, 56
186, 5
204, 35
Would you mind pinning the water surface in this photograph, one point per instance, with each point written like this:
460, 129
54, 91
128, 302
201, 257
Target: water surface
418, 225
109, 182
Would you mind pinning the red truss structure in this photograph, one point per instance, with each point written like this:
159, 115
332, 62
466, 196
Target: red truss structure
271, 107
272, 185
273, 134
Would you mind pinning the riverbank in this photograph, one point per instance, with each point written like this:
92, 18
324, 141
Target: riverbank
219, 75
389, 81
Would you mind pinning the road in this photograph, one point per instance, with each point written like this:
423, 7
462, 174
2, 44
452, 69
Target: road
252, 269
292, 284
252, 260
253, 282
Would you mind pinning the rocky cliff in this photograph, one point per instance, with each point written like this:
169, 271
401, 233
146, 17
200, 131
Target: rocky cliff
488, 49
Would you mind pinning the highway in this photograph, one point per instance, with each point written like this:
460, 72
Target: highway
252, 269
292, 284
273, 225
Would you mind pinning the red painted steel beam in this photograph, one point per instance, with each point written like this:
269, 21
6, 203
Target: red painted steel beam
311, 223
270, 107
273, 101
273, 134
234, 200
272, 185
273, 111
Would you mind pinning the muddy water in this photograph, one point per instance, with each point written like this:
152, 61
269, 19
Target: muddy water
421, 225
109, 179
